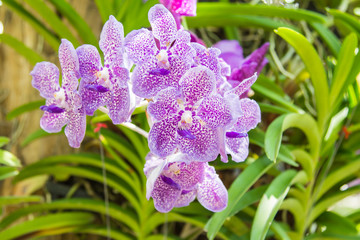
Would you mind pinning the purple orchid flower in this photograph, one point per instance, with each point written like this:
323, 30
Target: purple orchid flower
176, 181
63, 104
241, 69
108, 84
180, 8
162, 56
189, 119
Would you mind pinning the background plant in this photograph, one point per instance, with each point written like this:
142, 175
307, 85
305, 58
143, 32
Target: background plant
303, 159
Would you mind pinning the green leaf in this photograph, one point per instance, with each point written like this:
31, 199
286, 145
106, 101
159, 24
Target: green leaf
304, 122
105, 9
296, 208
9, 159
315, 67
84, 30
221, 8
103, 231
328, 37
343, 67
30, 55
6, 172
53, 20
115, 211
338, 175
43, 223
25, 108
244, 21
347, 18
337, 224
270, 204
242, 183
325, 203
36, 135
10, 200
86, 172
4, 141
268, 108
38, 26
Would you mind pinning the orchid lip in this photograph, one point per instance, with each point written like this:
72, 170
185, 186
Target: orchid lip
186, 133
160, 71
169, 181
236, 135
52, 109
96, 88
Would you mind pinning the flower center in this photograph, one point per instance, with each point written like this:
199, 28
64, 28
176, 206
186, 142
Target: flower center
186, 118
104, 77
60, 98
163, 59
174, 168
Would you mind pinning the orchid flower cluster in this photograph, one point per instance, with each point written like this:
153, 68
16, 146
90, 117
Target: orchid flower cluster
198, 105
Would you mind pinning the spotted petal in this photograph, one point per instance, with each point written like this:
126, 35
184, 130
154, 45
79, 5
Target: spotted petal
140, 45
184, 7
165, 194
185, 198
197, 83
204, 147
163, 25
45, 78
164, 104
69, 65
188, 175
111, 41
92, 100
251, 115
243, 86
212, 193
182, 46
89, 62
53, 122
238, 148
215, 111
75, 129
162, 136
119, 105
258, 57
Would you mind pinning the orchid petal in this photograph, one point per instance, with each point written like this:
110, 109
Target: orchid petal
140, 45
184, 7
69, 65
238, 148
197, 83
164, 104
251, 116
119, 104
212, 193
75, 129
111, 41
163, 25
185, 198
45, 78
162, 136
243, 86
165, 195
187, 175
53, 122
89, 62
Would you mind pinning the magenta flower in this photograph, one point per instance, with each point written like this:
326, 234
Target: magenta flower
176, 181
189, 119
108, 84
63, 104
241, 69
161, 56
180, 8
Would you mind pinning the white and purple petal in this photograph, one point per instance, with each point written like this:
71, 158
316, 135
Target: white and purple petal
119, 104
163, 25
215, 111
243, 86
238, 147
165, 194
69, 65
53, 122
164, 104
212, 193
184, 7
45, 78
204, 147
75, 129
197, 83
140, 45
162, 136
89, 62
251, 116
185, 198
187, 174
112, 41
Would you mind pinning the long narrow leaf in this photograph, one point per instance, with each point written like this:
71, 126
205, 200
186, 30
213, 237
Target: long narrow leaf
25, 108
